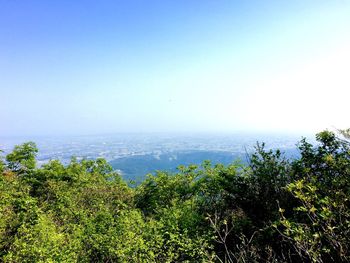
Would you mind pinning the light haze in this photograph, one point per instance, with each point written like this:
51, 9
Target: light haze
90, 67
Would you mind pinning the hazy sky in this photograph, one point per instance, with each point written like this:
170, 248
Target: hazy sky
87, 67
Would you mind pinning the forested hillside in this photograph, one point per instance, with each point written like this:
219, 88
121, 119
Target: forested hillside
271, 210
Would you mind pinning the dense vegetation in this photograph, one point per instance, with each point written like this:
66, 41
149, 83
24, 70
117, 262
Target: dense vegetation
272, 210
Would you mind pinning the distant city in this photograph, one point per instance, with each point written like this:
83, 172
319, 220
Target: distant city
134, 155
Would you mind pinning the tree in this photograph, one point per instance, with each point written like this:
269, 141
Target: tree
22, 158
319, 226
2, 164
345, 133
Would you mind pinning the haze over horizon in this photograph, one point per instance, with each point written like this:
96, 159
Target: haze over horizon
87, 67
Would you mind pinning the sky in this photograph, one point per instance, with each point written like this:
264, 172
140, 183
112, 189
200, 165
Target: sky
96, 67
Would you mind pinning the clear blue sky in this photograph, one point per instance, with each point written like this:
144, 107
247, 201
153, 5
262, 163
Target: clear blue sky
89, 67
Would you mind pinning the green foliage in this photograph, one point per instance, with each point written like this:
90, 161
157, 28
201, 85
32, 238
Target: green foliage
22, 158
320, 225
39, 241
323, 229
271, 210
2, 163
